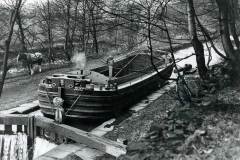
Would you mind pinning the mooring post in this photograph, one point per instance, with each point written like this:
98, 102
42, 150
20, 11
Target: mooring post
60, 92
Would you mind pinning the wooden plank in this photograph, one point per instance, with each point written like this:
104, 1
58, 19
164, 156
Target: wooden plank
93, 141
63, 152
71, 151
13, 119
23, 108
28, 107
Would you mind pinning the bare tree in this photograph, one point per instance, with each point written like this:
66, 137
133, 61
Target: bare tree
45, 23
21, 31
67, 34
12, 20
226, 26
197, 44
49, 31
93, 22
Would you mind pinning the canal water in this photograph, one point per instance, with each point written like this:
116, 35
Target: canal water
14, 147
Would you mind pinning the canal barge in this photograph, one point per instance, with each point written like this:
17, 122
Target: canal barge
106, 91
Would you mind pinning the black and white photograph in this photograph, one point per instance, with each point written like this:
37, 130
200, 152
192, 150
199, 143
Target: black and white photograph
119, 80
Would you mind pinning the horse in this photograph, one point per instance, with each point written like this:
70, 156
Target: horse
29, 60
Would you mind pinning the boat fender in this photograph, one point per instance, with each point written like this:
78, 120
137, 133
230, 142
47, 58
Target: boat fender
59, 112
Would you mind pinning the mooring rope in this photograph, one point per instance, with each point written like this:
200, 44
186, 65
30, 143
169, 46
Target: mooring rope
126, 65
73, 104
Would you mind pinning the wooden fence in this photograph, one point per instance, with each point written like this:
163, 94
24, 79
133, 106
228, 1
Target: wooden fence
35, 126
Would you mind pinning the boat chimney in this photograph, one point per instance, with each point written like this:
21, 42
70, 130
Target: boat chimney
110, 66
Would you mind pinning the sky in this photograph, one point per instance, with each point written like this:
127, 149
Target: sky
28, 2
33, 1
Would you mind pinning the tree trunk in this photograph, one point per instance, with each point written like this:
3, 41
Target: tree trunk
94, 32
84, 42
224, 28
8, 42
224, 10
197, 45
49, 30
22, 36
67, 36
232, 17
74, 26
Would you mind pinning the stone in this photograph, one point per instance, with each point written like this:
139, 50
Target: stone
136, 146
146, 101
178, 131
122, 140
206, 103
176, 142
157, 127
171, 136
213, 90
154, 137
191, 127
179, 122
209, 100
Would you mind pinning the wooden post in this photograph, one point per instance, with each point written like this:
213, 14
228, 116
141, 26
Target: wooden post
8, 129
31, 136
37, 131
25, 128
19, 128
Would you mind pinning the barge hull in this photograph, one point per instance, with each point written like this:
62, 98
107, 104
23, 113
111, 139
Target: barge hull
100, 105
